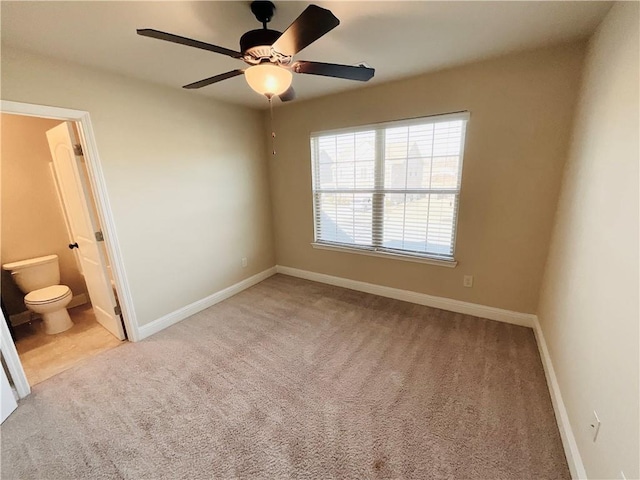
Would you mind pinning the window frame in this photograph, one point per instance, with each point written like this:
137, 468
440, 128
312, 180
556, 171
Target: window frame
379, 191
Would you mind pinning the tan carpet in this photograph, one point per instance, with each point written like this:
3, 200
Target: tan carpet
294, 379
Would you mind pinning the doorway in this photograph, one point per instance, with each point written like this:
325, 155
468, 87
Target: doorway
60, 216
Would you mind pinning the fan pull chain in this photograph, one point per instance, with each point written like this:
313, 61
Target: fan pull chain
273, 132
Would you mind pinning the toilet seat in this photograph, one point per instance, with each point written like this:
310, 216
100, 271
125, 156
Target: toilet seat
46, 295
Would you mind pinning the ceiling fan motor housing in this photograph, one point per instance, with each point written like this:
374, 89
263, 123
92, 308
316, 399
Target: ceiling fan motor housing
256, 45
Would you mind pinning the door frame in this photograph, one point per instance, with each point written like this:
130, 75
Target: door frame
99, 189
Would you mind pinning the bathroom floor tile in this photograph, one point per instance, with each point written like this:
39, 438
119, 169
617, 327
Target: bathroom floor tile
44, 356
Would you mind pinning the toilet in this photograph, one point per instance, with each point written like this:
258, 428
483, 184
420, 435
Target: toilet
39, 279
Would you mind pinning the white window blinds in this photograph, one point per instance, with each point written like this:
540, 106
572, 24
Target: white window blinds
391, 187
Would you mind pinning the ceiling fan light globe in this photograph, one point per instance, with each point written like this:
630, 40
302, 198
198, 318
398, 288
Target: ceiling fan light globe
268, 80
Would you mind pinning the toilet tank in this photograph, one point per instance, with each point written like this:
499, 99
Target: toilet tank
34, 273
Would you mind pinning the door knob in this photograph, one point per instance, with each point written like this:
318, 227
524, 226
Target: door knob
73, 245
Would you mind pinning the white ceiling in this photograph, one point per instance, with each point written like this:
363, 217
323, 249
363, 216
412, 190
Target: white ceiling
398, 39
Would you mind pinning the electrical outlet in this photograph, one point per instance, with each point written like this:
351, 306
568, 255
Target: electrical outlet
244, 262
594, 425
467, 281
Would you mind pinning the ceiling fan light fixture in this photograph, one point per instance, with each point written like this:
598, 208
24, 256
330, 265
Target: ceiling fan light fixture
268, 80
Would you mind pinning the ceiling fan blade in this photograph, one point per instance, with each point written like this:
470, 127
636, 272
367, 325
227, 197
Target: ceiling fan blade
169, 37
288, 95
312, 24
350, 72
214, 79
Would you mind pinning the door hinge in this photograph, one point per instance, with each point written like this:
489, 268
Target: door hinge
99, 237
77, 149
117, 310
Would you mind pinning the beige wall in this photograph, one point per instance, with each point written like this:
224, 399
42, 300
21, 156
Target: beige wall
32, 220
521, 110
186, 177
589, 303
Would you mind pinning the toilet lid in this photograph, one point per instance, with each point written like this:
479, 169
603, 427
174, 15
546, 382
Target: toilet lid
47, 294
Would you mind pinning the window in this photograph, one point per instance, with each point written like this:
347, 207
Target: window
390, 188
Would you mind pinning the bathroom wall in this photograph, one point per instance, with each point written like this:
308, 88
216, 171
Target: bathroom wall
32, 221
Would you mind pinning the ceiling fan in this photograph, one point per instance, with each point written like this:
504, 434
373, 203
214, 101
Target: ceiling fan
269, 53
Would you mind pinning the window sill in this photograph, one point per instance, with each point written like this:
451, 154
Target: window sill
394, 256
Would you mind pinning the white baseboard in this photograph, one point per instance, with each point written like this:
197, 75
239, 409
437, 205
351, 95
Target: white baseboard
27, 315
172, 318
566, 432
482, 311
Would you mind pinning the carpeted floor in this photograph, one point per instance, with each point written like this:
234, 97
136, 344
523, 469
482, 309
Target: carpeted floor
295, 379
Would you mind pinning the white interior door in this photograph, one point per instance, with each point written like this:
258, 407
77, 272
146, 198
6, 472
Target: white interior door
83, 227
7, 401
